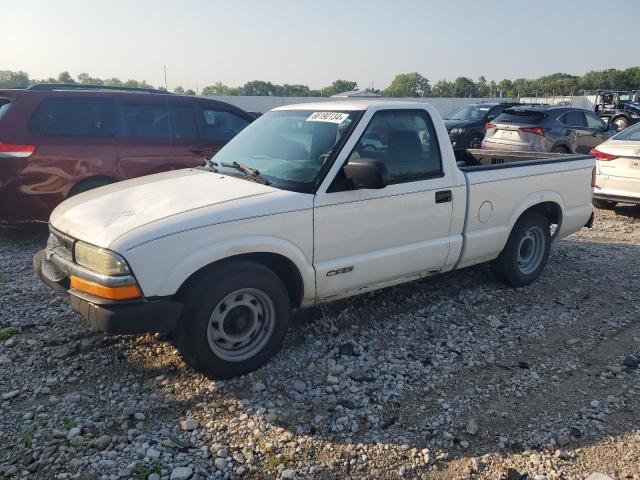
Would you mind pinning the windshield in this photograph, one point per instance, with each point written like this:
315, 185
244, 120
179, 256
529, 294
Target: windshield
629, 134
289, 147
469, 112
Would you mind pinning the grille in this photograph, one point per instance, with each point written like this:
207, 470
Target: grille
60, 244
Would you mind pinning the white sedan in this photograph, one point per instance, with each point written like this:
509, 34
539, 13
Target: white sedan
618, 169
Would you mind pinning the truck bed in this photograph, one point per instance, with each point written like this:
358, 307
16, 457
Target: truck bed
502, 186
479, 157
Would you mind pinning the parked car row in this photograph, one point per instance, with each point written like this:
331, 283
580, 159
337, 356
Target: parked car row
59, 140
526, 127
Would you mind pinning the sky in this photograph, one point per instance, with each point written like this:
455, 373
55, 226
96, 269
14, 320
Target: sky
314, 42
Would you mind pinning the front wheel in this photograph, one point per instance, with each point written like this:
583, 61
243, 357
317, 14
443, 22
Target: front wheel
526, 252
621, 123
235, 319
475, 142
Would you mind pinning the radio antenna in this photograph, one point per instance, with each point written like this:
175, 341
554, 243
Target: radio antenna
166, 96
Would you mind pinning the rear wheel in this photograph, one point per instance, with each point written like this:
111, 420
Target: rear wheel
89, 184
603, 204
525, 254
560, 149
235, 319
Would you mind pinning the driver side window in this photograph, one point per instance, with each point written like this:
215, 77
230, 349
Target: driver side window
405, 141
593, 121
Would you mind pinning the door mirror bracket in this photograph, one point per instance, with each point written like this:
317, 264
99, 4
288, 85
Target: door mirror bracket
366, 173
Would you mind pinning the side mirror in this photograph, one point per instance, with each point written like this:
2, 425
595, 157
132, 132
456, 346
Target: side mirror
367, 173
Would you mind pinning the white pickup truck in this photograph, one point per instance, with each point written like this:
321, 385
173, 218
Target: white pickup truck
308, 204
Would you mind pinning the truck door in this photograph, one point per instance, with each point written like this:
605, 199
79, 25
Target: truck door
364, 238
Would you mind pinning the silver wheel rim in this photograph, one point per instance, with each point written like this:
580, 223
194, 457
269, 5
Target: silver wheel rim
241, 324
531, 250
475, 142
620, 124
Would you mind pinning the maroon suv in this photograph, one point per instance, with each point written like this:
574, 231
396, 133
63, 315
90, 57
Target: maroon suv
60, 140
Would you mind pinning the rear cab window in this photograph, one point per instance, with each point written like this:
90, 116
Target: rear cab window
529, 117
73, 117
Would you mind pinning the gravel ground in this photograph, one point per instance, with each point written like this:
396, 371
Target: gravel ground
451, 377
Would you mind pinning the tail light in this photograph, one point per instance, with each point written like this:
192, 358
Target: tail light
536, 130
601, 155
8, 150
489, 126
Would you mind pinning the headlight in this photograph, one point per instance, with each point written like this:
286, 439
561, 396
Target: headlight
456, 131
100, 260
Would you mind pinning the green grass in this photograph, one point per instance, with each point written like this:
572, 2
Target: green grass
142, 471
6, 332
69, 424
76, 441
277, 460
27, 436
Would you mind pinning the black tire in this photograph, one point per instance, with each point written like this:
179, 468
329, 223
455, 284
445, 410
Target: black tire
194, 335
603, 204
508, 266
560, 149
89, 184
475, 141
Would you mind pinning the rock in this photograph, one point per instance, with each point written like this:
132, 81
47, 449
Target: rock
535, 458
11, 342
152, 453
594, 403
599, 476
472, 427
299, 386
222, 453
11, 394
139, 416
181, 473
51, 381
100, 443
73, 432
346, 349
332, 380
571, 341
288, 473
513, 474
259, 386
563, 440
631, 361
153, 476
220, 463
495, 322
447, 436
190, 424
464, 444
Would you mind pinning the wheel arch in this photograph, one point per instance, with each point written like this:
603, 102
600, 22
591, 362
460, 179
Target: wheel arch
549, 204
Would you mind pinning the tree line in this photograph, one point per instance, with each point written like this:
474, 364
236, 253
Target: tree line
403, 85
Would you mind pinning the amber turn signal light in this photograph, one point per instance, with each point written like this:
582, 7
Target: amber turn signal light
121, 292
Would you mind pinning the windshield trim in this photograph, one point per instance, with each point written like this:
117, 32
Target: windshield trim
337, 150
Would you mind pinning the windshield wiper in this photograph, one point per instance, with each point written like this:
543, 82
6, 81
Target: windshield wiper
248, 171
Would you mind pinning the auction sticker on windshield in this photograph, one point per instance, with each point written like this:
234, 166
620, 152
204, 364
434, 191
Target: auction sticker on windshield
331, 117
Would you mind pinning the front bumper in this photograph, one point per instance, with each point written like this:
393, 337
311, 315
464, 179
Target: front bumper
145, 315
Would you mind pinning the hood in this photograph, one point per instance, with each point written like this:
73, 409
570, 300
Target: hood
103, 215
449, 124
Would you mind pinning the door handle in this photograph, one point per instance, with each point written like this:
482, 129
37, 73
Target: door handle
444, 196
568, 132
